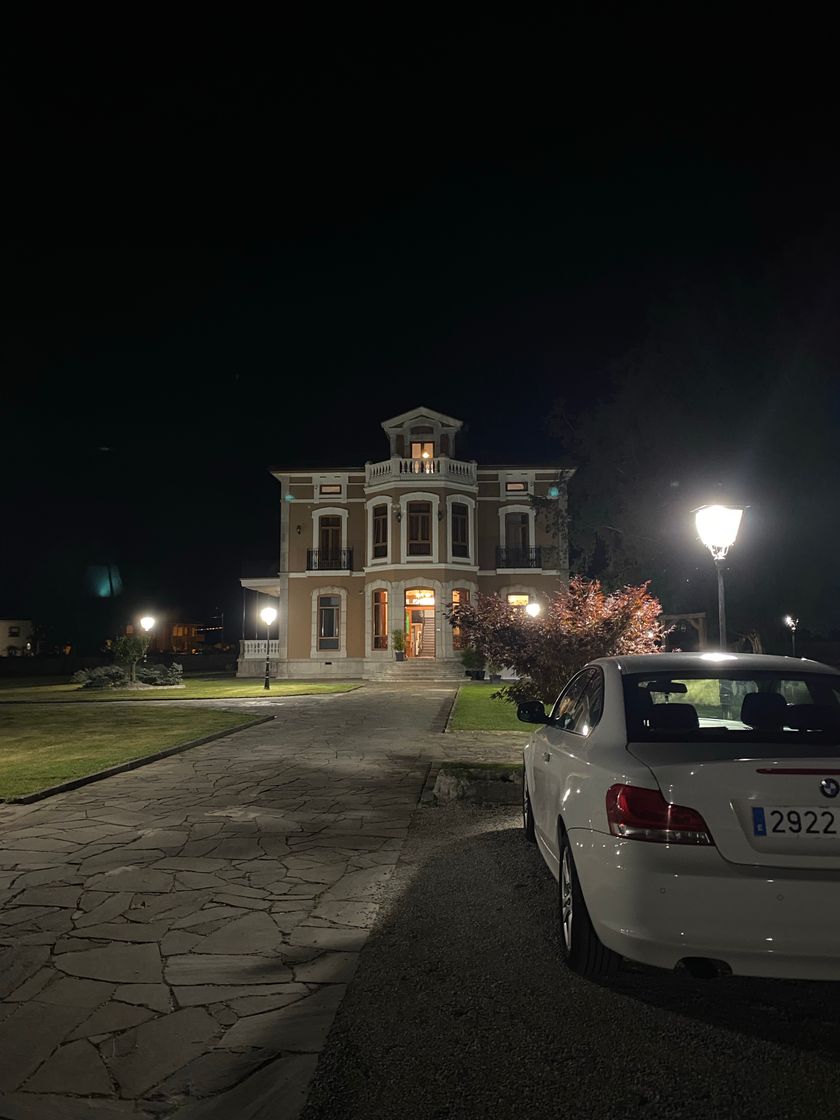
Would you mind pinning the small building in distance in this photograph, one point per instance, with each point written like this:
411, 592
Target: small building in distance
16, 637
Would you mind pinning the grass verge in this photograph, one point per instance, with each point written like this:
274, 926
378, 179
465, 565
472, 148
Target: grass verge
475, 711
195, 688
41, 746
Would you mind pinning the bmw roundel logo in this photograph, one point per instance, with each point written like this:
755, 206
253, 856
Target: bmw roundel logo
830, 787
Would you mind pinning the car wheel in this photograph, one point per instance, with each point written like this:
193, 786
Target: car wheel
527, 812
579, 944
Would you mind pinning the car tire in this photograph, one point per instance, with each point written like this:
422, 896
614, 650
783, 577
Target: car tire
527, 812
579, 944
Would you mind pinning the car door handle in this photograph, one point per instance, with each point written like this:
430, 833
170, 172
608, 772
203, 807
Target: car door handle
546, 756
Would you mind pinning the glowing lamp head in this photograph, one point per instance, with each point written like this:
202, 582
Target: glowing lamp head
717, 527
426, 455
791, 622
533, 609
554, 491
268, 615
147, 622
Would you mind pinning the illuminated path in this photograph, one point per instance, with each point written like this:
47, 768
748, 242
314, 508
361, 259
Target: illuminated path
176, 940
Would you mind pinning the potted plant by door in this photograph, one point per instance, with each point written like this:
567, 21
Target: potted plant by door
473, 661
398, 642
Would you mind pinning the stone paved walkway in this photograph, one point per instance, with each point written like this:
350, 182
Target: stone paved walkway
176, 940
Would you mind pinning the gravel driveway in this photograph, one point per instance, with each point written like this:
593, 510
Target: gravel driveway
461, 1008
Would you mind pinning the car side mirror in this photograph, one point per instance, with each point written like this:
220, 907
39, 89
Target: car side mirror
531, 711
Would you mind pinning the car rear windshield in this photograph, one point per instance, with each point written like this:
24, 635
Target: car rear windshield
730, 705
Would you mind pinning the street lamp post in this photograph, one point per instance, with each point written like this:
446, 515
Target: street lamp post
147, 622
717, 527
268, 615
791, 624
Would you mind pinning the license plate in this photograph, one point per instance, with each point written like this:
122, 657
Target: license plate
795, 820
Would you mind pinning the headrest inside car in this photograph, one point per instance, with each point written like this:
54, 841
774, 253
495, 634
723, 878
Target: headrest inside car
813, 717
673, 717
763, 709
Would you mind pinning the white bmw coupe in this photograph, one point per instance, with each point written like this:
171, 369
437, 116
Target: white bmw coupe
689, 807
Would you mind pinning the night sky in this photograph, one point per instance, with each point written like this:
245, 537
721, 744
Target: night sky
217, 265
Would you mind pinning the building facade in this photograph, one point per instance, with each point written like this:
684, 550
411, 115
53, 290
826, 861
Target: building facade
391, 546
16, 637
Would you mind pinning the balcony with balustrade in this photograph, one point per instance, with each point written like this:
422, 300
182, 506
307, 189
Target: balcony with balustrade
542, 557
329, 559
253, 649
428, 471
519, 558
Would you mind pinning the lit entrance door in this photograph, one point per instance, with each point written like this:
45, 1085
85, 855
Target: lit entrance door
420, 623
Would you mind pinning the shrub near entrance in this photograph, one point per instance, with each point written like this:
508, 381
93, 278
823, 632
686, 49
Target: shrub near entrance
576, 626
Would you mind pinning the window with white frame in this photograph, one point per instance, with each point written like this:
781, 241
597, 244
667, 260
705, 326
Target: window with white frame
329, 534
517, 532
460, 530
419, 538
329, 622
380, 618
460, 598
379, 518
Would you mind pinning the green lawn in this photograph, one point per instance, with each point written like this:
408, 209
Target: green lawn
48, 690
475, 711
42, 745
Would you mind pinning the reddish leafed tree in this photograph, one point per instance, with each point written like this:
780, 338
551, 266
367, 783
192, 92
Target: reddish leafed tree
578, 624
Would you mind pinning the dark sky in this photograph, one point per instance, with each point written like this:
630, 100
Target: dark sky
216, 264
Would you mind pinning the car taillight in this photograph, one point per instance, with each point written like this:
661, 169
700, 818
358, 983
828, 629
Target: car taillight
636, 813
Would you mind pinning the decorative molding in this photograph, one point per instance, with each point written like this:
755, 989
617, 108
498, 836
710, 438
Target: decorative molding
321, 572
401, 569
515, 475
319, 480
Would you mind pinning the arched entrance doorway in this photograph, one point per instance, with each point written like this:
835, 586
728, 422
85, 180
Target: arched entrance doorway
420, 622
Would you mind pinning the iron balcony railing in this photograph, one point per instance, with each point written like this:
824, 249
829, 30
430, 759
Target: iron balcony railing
519, 557
329, 560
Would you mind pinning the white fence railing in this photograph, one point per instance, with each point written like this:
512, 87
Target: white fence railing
444, 468
253, 649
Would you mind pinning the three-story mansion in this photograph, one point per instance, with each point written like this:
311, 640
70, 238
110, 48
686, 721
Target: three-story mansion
390, 546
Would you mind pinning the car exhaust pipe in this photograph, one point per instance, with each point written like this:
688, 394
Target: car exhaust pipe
704, 968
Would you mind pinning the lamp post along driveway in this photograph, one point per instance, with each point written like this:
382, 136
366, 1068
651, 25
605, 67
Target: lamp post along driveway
268, 615
717, 527
147, 622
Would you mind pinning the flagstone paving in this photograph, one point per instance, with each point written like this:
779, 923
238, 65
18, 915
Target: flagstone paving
176, 940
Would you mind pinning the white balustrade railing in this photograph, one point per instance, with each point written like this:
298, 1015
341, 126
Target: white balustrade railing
442, 468
251, 649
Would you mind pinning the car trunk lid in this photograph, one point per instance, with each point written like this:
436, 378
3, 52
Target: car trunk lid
766, 809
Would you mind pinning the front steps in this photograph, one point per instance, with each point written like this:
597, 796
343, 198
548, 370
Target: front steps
419, 669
